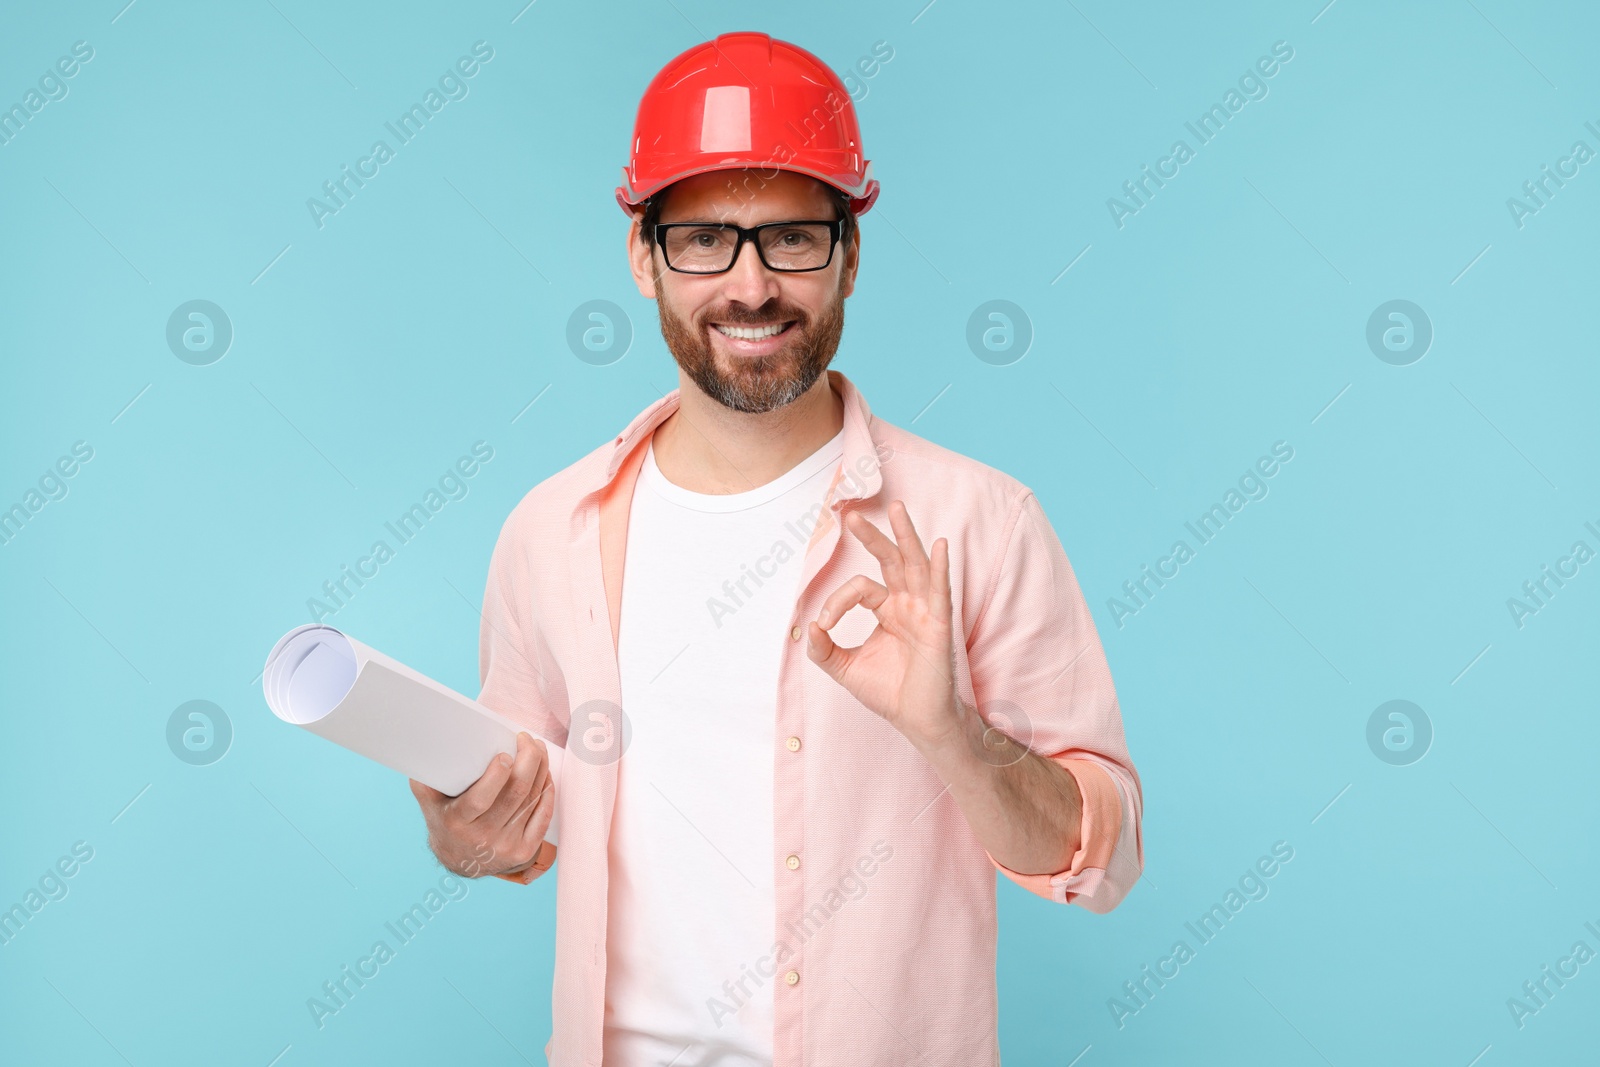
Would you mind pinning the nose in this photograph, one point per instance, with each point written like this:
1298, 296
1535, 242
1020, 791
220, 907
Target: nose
749, 281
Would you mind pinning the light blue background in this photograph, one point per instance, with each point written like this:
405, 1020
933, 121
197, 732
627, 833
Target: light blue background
1226, 315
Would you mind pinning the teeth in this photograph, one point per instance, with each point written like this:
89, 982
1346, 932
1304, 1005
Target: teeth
744, 333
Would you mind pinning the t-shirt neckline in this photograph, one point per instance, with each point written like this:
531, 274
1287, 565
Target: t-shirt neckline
829, 452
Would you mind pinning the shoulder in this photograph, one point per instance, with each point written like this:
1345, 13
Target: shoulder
916, 469
546, 510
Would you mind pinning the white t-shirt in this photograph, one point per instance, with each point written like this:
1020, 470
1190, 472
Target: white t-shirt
709, 585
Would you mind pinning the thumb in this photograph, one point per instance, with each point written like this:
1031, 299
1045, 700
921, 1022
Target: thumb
822, 651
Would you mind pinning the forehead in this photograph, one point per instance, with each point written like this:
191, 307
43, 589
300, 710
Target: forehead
747, 197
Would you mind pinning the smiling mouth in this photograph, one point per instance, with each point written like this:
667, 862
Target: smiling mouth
752, 333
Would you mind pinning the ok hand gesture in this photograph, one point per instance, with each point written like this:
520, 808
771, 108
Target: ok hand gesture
905, 670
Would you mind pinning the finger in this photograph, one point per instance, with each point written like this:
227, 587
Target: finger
939, 592
541, 784
517, 825
833, 659
537, 821
482, 793
877, 542
523, 772
916, 559
540, 778
858, 590
532, 821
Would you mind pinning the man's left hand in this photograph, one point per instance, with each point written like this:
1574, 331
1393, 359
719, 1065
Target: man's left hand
904, 670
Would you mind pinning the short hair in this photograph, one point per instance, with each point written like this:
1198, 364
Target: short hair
652, 214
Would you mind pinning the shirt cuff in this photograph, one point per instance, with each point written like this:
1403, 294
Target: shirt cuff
542, 861
1098, 830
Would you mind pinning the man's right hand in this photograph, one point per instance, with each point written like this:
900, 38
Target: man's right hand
497, 825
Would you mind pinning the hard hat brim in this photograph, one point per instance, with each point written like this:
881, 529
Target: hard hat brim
862, 195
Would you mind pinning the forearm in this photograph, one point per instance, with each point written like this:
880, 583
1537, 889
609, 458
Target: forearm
1026, 810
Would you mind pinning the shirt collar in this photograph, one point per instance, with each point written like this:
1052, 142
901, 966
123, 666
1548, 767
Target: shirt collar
858, 476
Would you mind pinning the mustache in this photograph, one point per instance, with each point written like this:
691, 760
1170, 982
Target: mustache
771, 311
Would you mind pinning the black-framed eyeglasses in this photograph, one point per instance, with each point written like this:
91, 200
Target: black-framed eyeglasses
713, 247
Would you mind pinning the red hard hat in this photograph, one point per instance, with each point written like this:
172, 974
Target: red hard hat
746, 100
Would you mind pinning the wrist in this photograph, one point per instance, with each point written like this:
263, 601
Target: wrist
955, 733
971, 746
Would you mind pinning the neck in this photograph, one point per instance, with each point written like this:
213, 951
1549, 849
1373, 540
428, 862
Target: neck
707, 448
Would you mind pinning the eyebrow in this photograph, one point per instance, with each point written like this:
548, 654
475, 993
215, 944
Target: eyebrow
724, 222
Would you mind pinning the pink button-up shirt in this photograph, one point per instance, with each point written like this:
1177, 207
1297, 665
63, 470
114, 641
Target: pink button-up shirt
884, 934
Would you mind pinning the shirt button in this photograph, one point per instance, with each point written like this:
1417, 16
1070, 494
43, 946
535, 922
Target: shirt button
794, 633
792, 977
793, 744
793, 862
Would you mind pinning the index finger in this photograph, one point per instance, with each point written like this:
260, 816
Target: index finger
905, 532
524, 772
878, 543
480, 795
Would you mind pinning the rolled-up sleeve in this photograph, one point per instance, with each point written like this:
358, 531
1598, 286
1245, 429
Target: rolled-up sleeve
1038, 671
513, 681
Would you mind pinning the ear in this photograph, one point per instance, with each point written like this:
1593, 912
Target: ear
641, 260
852, 263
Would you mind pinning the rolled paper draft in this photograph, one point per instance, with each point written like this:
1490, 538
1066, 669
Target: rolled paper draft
327, 682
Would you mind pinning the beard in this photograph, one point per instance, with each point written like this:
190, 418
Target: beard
756, 384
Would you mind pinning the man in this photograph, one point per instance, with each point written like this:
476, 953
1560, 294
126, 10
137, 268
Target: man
798, 743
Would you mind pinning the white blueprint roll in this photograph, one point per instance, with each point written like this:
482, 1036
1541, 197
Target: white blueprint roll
327, 682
